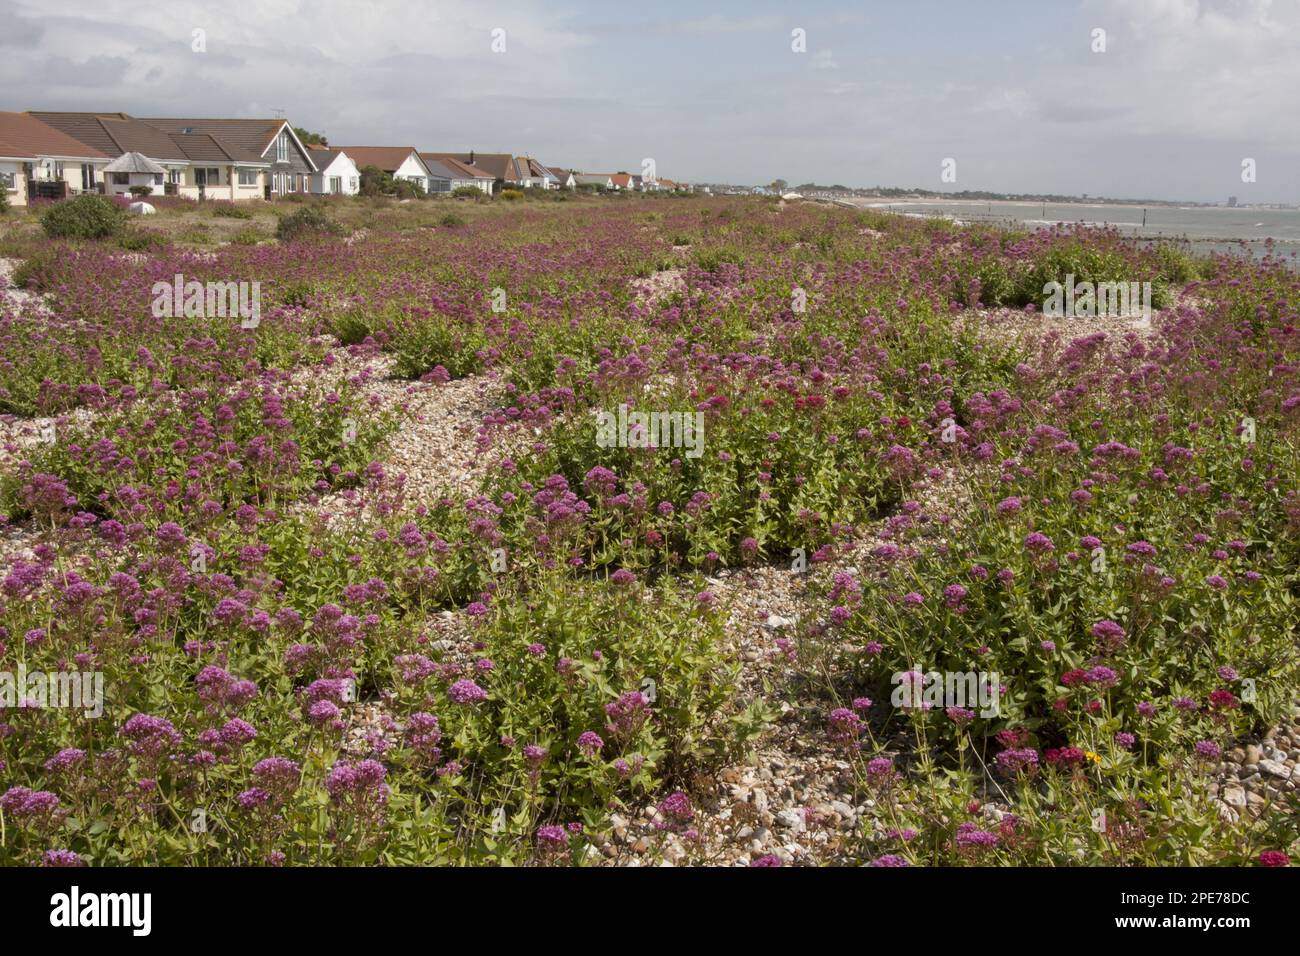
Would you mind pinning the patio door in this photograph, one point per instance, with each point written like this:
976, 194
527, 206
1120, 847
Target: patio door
87, 177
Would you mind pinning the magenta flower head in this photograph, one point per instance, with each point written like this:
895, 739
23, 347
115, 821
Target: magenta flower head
1039, 543
150, 736
66, 858
844, 726
627, 715
552, 837
675, 812
590, 743
466, 692
1109, 635
1208, 750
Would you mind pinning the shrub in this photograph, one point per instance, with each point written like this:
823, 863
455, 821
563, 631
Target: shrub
4, 201
308, 223
230, 211
466, 192
451, 220
140, 240
511, 195
139, 192
33, 271
247, 237
86, 217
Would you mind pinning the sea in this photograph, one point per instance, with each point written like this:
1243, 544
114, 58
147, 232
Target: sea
1240, 231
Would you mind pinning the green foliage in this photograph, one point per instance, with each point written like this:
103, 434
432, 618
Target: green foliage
310, 222
88, 216
228, 210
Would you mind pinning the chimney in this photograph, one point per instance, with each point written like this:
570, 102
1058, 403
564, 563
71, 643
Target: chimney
471, 157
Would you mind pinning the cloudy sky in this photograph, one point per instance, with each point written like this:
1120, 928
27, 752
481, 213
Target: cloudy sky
884, 91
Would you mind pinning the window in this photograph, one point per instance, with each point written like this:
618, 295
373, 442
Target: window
293, 183
440, 185
352, 183
174, 176
282, 148
248, 177
336, 184
157, 179
207, 176
121, 179
58, 170
9, 181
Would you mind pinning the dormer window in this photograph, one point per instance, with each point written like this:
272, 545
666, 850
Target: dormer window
282, 148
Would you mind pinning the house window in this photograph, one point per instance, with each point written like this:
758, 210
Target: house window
121, 179
336, 184
207, 176
174, 176
58, 170
282, 148
157, 179
440, 185
248, 177
352, 183
9, 181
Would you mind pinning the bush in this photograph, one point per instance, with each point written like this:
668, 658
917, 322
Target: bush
4, 201
451, 220
247, 237
512, 195
466, 192
308, 223
33, 271
139, 192
86, 217
140, 240
230, 211
405, 189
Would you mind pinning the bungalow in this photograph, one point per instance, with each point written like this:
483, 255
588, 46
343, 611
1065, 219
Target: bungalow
458, 174
289, 170
622, 181
201, 158
563, 178
338, 175
36, 158
400, 162
601, 180
533, 173
506, 171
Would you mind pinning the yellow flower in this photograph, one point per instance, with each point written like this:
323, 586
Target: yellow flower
1095, 758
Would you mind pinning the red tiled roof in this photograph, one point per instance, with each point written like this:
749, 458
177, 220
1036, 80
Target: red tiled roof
387, 158
23, 135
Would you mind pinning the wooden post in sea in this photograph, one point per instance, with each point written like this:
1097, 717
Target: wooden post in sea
1144, 218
